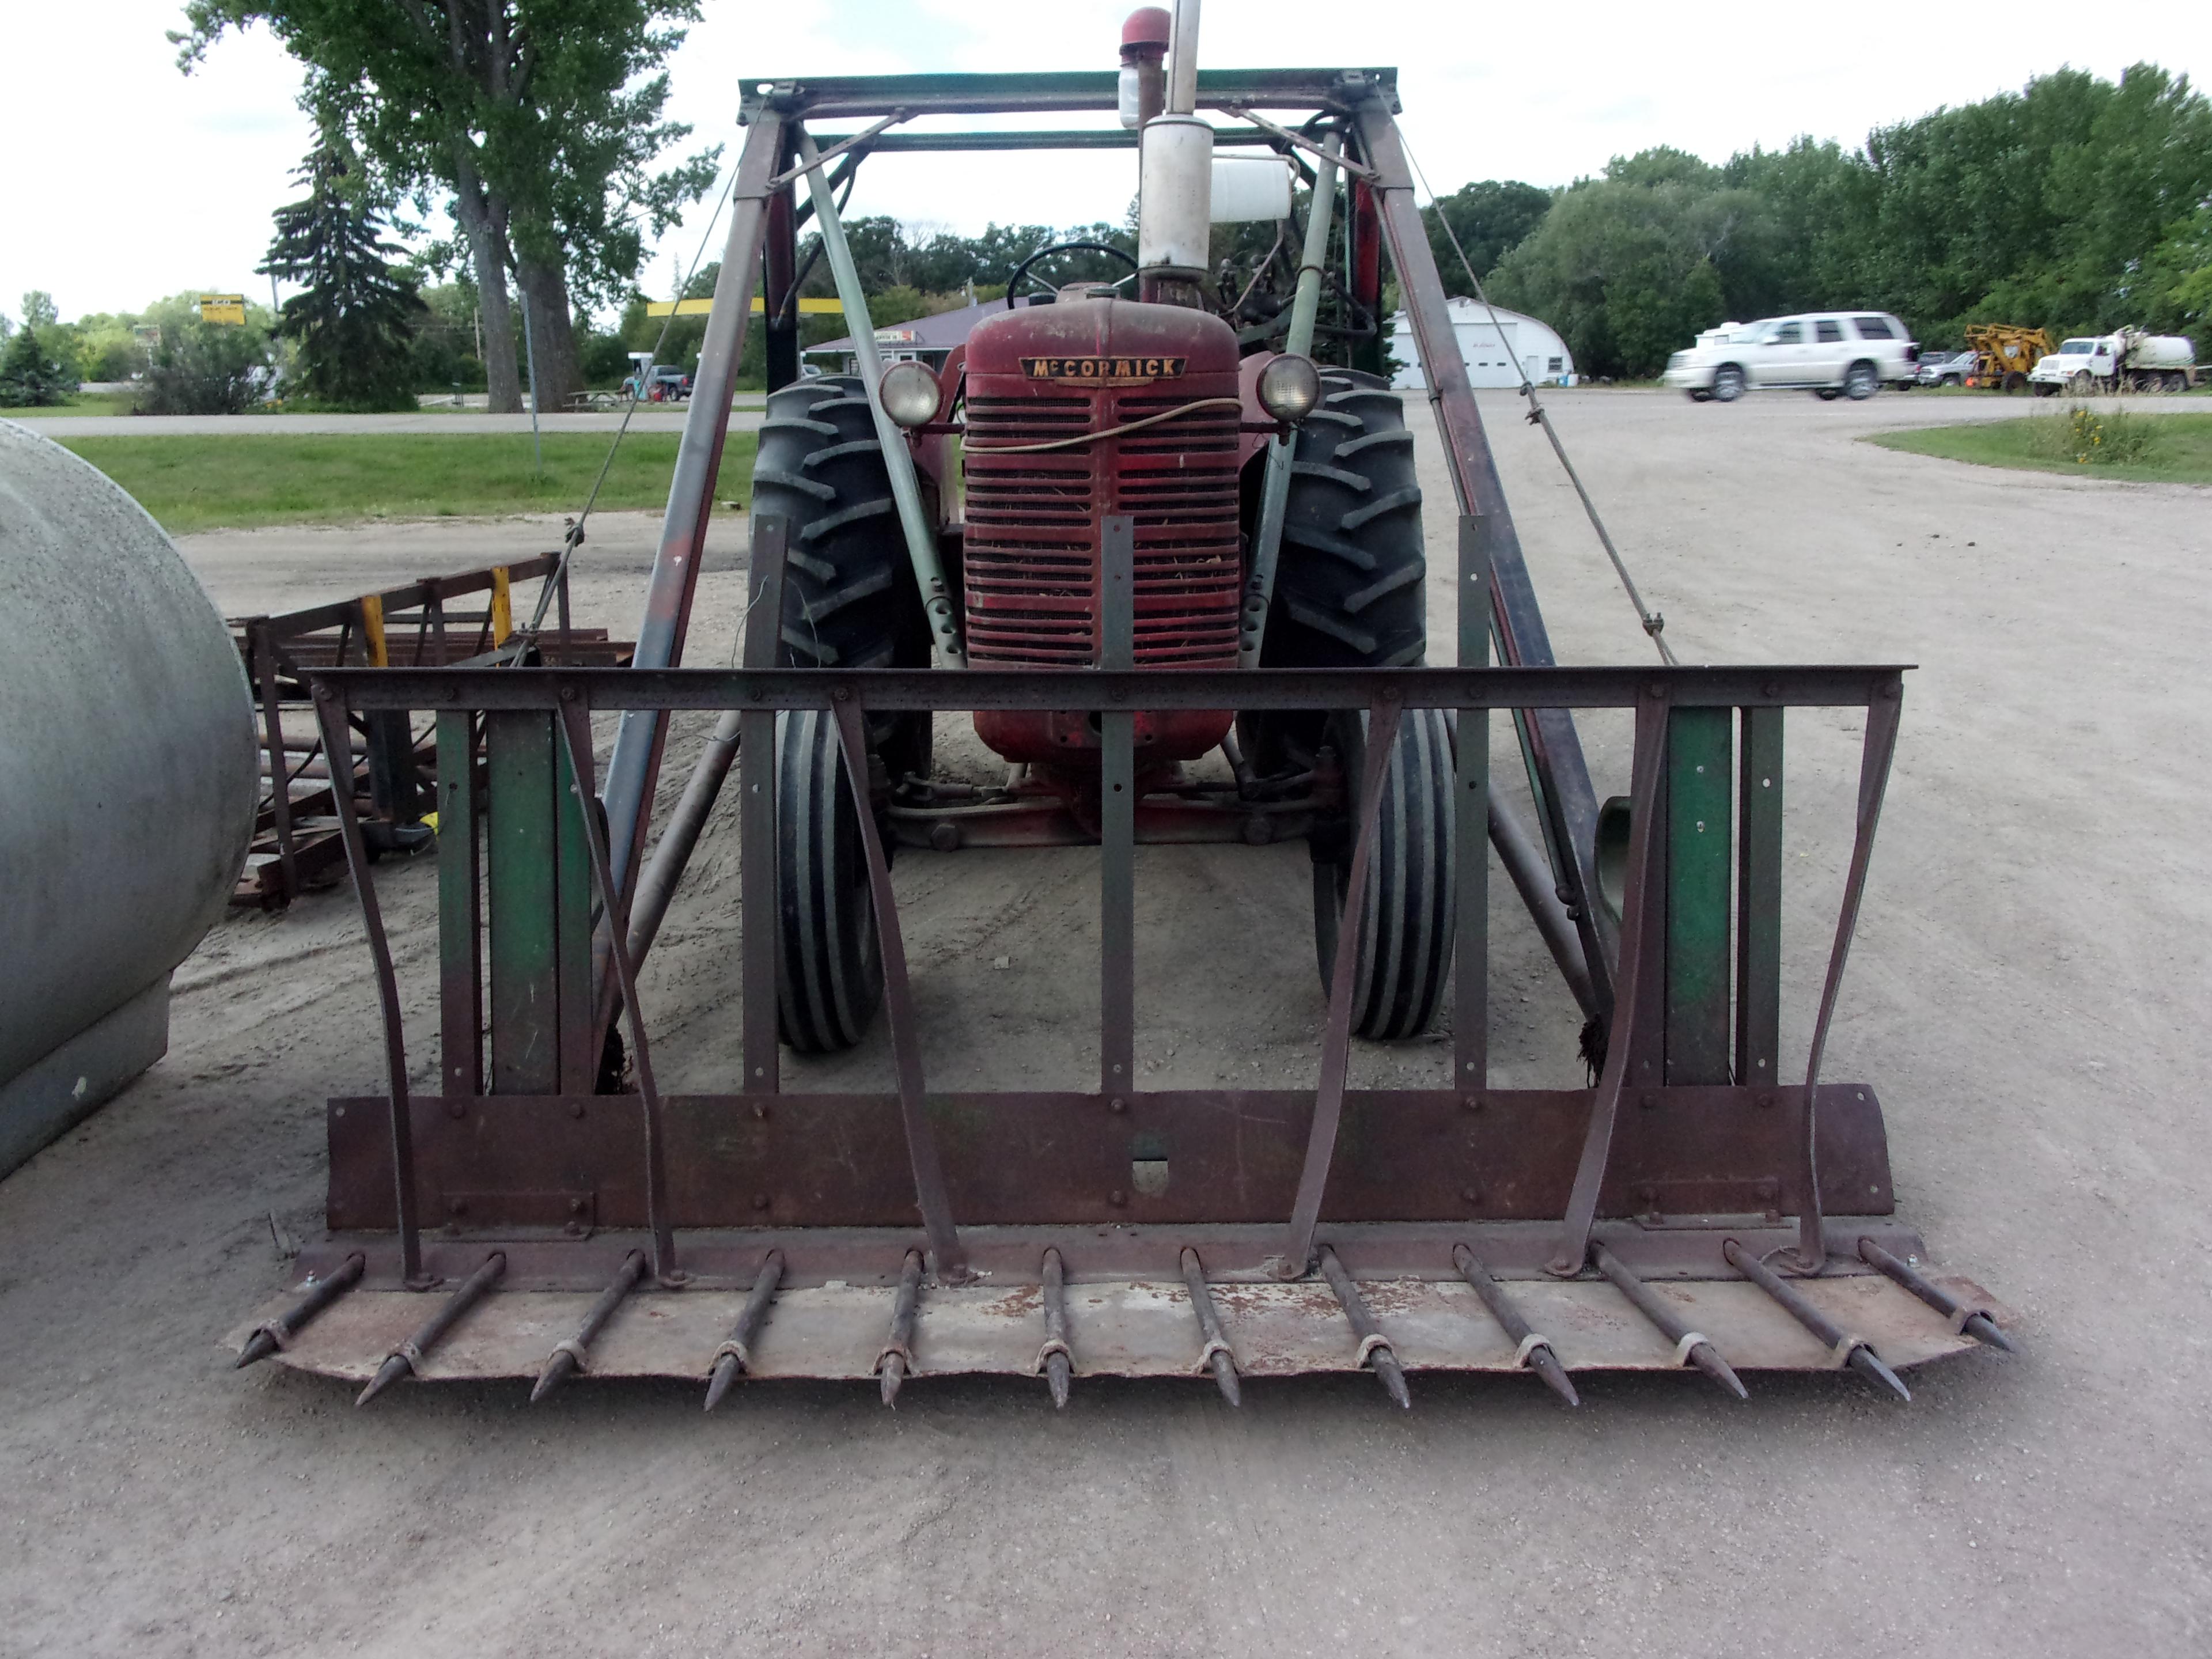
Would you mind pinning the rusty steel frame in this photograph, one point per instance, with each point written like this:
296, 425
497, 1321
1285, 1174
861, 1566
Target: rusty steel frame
1719, 1149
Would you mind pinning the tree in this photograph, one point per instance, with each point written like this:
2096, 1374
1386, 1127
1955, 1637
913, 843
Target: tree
536, 120
1490, 219
1629, 267
33, 375
354, 319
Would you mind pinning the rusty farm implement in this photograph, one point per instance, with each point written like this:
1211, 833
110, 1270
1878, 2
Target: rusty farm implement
1186, 521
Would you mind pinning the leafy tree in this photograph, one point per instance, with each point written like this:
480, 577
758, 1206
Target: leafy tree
537, 121
1490, 219
1629, 266
38, 310
354, 319
31, 374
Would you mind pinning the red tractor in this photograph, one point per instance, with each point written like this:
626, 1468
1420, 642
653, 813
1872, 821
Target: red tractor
1082, 403
1138, 525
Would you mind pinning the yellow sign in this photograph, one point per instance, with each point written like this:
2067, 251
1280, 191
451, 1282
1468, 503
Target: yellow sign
701, 308
223, 308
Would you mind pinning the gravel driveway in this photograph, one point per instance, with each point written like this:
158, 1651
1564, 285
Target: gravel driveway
2029, 994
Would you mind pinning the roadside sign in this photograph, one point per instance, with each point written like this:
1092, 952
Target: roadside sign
701, 308
227, 308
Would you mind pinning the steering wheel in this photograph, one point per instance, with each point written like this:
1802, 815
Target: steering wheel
1023, 269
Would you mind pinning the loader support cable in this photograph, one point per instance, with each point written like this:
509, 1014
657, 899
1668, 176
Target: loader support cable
1653, 624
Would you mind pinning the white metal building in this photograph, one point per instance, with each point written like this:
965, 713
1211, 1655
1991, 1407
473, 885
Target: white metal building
1497, 355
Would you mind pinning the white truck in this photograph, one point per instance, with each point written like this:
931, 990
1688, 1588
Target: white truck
2128, 360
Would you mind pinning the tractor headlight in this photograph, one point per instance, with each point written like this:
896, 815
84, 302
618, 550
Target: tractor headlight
909, 392
1290, 386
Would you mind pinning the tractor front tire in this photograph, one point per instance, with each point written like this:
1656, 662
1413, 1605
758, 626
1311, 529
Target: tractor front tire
849, 601
830, 966
1349, 593
849, 598
1406, 919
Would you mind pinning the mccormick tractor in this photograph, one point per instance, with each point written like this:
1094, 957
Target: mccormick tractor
1140, 517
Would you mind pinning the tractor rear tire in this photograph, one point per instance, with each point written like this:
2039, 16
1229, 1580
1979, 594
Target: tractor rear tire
849, 598
1406, 921
830, 966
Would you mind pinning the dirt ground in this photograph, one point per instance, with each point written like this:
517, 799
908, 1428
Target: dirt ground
2028, 994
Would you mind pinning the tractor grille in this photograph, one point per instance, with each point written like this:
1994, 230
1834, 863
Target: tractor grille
1031, 570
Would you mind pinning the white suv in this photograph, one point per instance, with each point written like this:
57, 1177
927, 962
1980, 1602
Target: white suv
1846, 352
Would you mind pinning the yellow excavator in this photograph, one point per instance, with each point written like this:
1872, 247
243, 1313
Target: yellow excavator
2004, 352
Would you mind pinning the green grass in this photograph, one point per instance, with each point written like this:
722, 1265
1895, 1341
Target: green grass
215, 481
2165, 448
77, 402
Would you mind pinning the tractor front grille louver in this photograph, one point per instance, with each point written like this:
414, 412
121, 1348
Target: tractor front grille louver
1031, 557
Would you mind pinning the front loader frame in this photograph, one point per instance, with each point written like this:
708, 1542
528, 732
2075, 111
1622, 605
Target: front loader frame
1687, 1160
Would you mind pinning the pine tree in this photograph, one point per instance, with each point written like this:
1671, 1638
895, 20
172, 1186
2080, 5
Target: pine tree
31, 375
354, 319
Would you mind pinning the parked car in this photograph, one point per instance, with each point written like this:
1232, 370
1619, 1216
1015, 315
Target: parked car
1946, 367
1829, 354
662, 383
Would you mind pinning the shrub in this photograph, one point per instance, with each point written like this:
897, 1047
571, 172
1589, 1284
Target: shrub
2083, 436
201, 368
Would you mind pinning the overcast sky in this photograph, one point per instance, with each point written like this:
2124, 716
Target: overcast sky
122, 180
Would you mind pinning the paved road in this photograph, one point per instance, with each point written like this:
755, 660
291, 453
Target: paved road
2028, 994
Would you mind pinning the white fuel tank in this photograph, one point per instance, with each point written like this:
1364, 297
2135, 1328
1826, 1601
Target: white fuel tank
128, 781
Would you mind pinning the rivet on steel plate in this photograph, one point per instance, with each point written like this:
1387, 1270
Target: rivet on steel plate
576, 1108
761, 1110
1648, 1102
1117, 1198
457, 1108
1470, 1102
843, 694
760, 1200
567, 693
1117, 1104
1765, 1098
